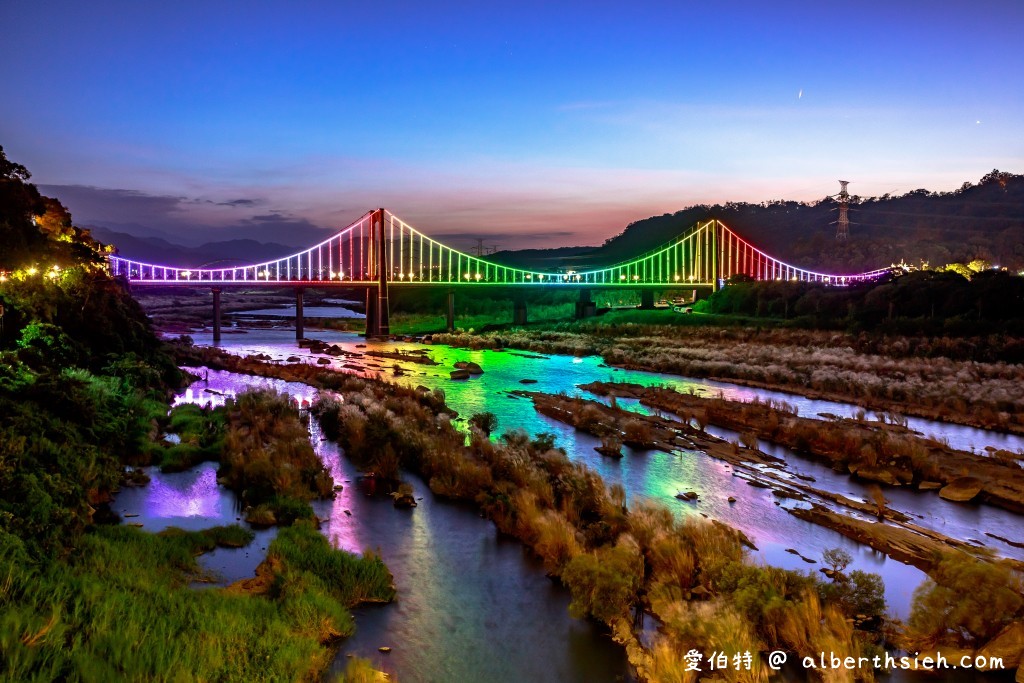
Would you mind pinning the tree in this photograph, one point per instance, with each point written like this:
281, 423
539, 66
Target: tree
486, 422
12, 171
837, 558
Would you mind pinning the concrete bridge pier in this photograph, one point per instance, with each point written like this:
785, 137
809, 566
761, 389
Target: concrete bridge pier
371, 313
450, 308
585, 307
216, 314
383, 313
519, 316
646, 299
377, 326
299, 314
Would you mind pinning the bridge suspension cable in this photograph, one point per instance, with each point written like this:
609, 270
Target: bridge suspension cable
709, 253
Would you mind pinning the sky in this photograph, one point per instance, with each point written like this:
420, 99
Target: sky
525, 124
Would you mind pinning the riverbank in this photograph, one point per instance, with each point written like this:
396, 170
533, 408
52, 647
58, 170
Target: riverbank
902, 375
879, 451
892, 532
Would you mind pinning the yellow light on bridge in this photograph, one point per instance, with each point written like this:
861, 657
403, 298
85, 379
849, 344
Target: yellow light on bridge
677, 278
264, 274
478, 277
622, 277
636, 277
186, 274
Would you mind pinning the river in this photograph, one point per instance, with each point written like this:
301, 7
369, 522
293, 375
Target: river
474, 606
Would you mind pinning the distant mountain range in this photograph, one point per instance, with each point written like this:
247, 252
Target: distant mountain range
159, 250
980, 220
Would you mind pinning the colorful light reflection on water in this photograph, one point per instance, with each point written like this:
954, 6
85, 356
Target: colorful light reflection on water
660, 476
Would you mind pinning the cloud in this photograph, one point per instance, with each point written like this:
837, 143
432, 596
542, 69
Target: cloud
238, 202
179, 219
89, 202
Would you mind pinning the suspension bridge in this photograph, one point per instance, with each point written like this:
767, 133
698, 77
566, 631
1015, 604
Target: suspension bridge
380, 250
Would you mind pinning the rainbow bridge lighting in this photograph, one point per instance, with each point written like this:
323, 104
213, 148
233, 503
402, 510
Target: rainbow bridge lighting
380, 248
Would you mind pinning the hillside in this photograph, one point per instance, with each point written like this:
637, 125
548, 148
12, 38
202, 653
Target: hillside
980, 220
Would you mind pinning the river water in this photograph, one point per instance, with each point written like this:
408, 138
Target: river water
472, 606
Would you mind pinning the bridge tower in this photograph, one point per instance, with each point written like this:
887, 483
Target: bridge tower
377, 308
843, 226
718, 250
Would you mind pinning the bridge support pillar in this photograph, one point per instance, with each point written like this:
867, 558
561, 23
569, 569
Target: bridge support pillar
383, 309
585, 307
450, 308
216, 314
646, 299
299, 314
371, 313
383, 326
519, 316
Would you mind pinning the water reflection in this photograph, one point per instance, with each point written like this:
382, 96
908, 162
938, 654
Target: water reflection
471, 606
504, 369
199, 497
659, 476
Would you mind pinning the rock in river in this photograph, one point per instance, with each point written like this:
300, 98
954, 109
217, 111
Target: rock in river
470, 367
961, 489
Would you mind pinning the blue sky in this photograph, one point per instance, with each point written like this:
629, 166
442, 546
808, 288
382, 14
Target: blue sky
528, 124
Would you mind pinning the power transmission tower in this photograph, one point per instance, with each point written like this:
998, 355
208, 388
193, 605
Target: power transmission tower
843, 227
479, 248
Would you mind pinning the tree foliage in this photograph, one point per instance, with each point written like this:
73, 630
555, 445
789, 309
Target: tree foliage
82, 375
965, 601
928, 302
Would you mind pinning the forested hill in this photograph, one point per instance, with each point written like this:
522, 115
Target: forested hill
980, 220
